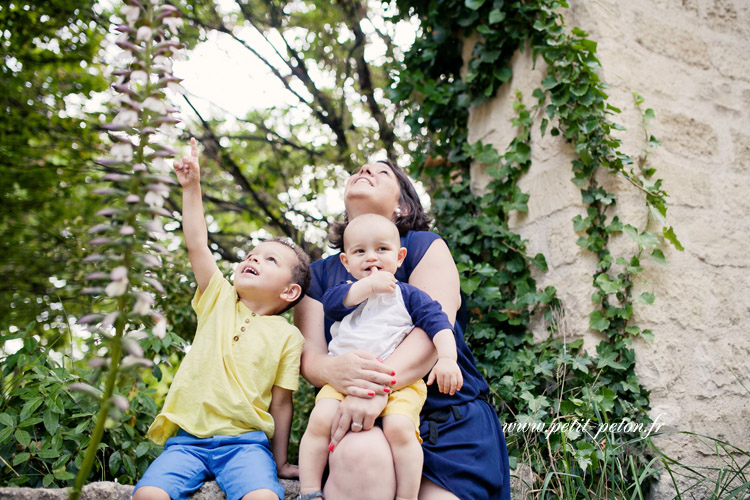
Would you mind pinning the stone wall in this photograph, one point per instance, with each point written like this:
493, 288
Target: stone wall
690, 61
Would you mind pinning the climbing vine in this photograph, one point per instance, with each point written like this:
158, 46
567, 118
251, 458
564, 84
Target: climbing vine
554, 380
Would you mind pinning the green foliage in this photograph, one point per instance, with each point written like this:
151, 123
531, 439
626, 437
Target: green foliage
554, 380
43, 425
47, 143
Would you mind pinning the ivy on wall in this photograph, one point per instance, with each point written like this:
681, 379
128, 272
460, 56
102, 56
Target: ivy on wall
552, 381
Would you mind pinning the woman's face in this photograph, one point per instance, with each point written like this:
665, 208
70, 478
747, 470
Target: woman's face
373, 189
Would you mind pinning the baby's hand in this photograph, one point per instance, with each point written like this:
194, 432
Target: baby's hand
187, 169
448, 376
382, 282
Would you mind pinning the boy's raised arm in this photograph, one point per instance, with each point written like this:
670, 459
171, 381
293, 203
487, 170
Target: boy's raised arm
193, 220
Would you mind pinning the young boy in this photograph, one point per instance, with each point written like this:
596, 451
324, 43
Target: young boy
374, 314
233, 391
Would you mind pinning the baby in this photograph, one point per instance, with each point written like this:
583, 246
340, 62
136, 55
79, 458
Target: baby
374, 314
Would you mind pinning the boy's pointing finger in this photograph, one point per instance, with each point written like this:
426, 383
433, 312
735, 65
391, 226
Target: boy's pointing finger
194, 147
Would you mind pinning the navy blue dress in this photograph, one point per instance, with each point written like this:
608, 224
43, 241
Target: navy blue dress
464, 447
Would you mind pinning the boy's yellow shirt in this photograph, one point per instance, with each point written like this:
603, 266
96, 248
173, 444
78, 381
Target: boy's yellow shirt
223, 386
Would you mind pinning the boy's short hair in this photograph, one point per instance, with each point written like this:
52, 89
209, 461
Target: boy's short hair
300, 272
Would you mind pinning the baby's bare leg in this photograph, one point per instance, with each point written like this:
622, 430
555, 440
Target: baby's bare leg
407, 455
313, 448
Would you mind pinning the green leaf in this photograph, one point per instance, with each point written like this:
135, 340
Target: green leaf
608, 397
579, 33
48, 478
503, 73
608, 358
580, 363
549, 82
30, 407
646, 298
469, 286
535, 403
142, 449
5, 434
115, 460
496, 16
474, 4
583, 454
21, 458
48, 453
579, 223
51, 421
672, 238
649, 114
597, 321
606, 285
129, 466
29, 422
7, 420
64, 475
633, 330
540, 262
22, 437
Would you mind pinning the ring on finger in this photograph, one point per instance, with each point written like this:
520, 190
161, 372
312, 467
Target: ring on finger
356, 425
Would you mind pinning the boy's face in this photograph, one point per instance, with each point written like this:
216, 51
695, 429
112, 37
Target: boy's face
266, 274
372, 245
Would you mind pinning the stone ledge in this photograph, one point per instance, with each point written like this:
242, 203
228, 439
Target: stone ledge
115, 491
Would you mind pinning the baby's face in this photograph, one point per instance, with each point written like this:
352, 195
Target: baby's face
373, 246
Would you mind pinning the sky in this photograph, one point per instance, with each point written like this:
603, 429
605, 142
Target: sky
221, 72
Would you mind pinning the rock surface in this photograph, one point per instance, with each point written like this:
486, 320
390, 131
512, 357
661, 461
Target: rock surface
115, 491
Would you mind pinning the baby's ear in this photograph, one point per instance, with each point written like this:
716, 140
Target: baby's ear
291, 293
401, 256
345, 261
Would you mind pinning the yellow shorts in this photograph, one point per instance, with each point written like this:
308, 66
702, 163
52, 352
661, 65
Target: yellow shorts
406, 401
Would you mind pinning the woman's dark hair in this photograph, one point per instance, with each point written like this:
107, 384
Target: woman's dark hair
411, 218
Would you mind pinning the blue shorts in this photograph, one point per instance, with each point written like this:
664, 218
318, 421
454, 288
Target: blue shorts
240, 464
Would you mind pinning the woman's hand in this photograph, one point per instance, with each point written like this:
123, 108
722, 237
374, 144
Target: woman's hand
359, 373
355, 414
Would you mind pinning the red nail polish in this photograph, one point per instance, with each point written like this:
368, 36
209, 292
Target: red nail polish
370, 393
393, 374
330, 447
387, 390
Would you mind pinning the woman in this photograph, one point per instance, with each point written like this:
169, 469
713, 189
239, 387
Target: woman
464, 448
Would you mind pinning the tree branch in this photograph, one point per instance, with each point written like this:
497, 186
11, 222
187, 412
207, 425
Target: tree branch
225, 160
352, 12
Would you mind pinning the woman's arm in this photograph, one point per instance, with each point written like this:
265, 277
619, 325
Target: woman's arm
437, 275
357, 373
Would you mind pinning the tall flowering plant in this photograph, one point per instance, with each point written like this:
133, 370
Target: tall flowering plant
126, 248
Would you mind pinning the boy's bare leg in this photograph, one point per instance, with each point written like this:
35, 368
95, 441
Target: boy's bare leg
150, 493
407, 455
313, 447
